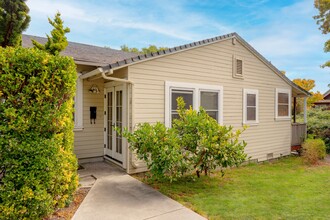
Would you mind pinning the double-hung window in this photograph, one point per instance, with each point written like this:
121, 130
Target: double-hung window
283, 104
194, 95
250, 106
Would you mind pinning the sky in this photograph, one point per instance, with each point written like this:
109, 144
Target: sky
282, 31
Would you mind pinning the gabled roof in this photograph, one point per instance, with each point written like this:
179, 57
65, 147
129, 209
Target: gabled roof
83, 53
146, 57
327, 93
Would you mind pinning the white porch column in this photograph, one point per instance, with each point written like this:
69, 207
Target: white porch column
305, 109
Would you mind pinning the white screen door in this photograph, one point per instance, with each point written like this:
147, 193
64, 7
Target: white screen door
114, 116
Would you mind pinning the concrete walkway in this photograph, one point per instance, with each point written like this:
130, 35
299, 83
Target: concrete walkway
116, 195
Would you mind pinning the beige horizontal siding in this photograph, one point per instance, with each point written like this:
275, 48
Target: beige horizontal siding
212, 65
89, 142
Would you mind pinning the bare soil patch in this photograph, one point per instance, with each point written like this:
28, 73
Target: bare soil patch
68, 212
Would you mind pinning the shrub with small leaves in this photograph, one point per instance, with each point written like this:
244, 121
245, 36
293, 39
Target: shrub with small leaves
313, 150
37, 163
318, 124
196, 142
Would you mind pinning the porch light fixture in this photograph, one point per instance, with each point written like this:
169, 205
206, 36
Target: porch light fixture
94, 89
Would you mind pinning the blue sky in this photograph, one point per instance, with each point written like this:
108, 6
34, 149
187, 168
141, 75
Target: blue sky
283, 31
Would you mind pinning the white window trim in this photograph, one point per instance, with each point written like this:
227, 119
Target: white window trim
245, 93
277, 117
78, 100
196, 88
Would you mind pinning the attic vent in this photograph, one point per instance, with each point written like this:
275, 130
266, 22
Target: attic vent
238, 67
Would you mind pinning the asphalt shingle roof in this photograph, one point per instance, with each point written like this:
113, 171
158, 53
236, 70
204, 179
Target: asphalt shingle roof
83, 53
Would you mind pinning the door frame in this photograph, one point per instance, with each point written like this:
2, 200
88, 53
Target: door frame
124, 121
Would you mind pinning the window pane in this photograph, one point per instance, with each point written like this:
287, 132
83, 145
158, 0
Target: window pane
283, 110
187, 97
251, 99
213, 114
209, 100
283, 98
175, 115
251, 113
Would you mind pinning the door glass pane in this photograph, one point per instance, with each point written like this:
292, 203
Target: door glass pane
209, 100
110, 122
187, 97
119, 123
251, 99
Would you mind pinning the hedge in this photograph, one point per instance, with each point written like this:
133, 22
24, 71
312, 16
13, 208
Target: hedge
37, 165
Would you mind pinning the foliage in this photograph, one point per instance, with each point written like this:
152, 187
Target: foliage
313, 150
323, 19
144, 50
209, 144
281, 189
14, 19
58, 41
36, 132
196, 142
308, 85
159, 147
318, 124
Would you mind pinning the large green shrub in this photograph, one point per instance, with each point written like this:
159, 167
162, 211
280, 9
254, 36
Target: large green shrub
36, 132
196, 142
313, 150
318, 124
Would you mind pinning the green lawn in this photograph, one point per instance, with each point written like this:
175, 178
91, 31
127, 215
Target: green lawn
285, 189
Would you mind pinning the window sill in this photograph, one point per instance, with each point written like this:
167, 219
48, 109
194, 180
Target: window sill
238, 76
252, 123
283, 119
78, 129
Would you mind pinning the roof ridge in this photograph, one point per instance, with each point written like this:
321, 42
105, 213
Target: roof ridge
78, 43
171, 50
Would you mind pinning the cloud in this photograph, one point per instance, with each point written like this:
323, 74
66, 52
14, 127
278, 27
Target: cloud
283, 31
171, 20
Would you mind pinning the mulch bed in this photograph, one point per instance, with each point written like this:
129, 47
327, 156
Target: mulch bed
68, 212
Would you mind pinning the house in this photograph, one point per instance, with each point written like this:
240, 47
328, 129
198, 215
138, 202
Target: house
228, 77
325, 102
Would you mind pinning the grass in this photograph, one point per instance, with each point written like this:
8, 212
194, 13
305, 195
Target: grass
284, 189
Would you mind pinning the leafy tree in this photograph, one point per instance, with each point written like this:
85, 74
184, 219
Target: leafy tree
308, 85
323, 19
57, 41
144, 50
14, 19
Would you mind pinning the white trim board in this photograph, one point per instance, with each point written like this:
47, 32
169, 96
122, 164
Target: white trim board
196, 88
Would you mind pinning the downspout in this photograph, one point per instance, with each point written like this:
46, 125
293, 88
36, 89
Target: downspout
114, 78
129, 156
